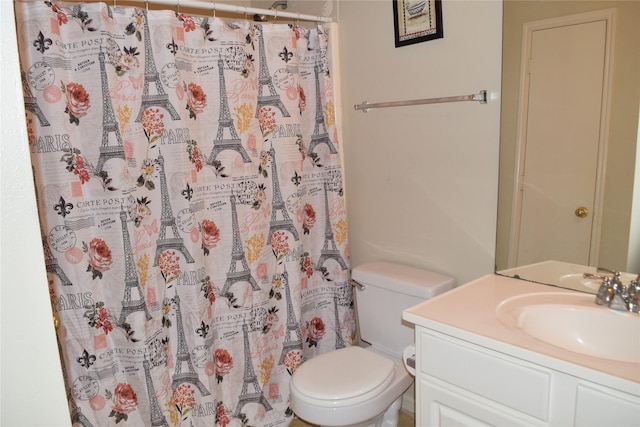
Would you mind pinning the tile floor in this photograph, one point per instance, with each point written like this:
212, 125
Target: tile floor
406, 420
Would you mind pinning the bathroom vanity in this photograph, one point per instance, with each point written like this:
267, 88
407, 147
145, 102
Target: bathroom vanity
502, 351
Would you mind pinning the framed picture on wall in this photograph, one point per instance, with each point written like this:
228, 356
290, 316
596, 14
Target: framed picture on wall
417, 21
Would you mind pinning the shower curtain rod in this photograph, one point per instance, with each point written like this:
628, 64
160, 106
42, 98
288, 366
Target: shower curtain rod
366, 106
222, 7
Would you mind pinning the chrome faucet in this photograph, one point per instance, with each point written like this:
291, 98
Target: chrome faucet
633, 295
615, 295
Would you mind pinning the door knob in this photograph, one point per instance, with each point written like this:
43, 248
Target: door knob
582, 212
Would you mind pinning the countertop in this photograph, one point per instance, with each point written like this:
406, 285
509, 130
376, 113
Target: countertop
468, 312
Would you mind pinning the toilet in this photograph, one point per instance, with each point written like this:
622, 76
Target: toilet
363, 387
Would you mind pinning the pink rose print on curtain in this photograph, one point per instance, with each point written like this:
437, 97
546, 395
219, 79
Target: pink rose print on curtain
99, 257
210, 235
293, 360
79, 166
267, 121
196, 99
182, 401
199, 160
208, 290
223, 363
124, 402
64, 13
308, 217
152, 124
78, 102
315, 331
187, 22
279, 245
305, 265
222, 417
76, 164
99, 317
195, 156
169, 264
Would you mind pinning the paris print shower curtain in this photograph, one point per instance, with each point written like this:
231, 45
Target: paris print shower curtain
190, 192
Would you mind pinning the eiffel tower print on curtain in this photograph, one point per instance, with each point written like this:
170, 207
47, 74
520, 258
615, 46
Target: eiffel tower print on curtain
293, 326
109, 123
157, 417
238, 256
184, 356
50, 262
131, 281
30, 102
77, 417
151, 75
167, 220
264, 79
329, 249
278, 205
225, 121
341, 292
320, 134
250, 379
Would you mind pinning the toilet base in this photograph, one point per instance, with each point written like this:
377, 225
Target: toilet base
389, 418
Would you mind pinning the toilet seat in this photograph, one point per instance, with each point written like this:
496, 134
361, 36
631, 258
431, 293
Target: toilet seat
343, 377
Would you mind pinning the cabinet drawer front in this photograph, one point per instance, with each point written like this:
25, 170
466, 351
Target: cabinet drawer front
600, 406
505, 380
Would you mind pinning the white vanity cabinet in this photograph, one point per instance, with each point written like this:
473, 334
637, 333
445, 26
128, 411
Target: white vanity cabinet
464, 384
472, 371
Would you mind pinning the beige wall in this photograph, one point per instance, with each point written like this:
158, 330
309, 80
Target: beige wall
617, 214
421, 181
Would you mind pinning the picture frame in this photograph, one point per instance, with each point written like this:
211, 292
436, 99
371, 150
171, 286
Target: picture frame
417, 21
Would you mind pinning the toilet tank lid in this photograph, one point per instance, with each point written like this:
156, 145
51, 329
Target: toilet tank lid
402, 278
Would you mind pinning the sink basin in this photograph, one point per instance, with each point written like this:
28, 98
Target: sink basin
573, 322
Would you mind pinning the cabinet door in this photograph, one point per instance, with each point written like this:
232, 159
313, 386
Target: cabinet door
600, 406
443, 405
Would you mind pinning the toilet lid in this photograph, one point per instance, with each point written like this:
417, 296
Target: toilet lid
344, 374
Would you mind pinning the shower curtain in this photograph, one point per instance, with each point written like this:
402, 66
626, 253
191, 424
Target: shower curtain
190, 192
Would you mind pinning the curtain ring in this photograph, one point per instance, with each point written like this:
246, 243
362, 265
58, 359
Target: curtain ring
146, 4
246, 14
214, 9
178, 8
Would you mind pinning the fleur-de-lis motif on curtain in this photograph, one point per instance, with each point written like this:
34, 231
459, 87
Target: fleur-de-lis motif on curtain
86, 359
173, 47
203, 330
286, 55
187, 192
63, 207
296, 179
42, 43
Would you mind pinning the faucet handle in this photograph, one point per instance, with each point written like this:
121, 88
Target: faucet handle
633, 296
605, 292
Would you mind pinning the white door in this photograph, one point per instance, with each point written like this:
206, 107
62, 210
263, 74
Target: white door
561, 134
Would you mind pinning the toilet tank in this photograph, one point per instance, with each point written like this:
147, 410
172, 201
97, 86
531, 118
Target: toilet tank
389, 289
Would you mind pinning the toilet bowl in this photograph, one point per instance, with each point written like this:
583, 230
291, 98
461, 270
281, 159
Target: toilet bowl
363, 387
349, 387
